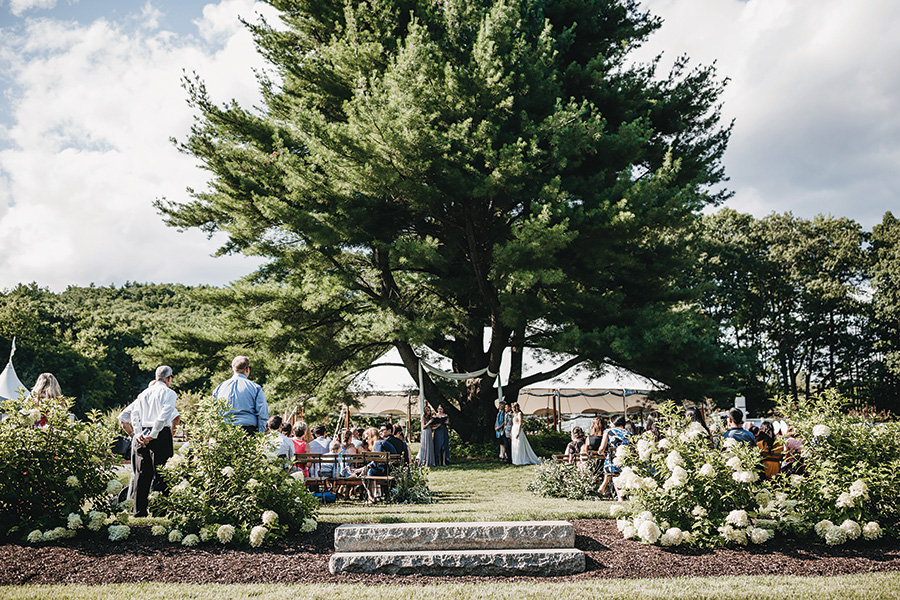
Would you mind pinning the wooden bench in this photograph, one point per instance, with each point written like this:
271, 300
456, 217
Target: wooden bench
328, 478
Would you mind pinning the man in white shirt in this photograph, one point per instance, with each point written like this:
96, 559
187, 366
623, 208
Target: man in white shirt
152, 414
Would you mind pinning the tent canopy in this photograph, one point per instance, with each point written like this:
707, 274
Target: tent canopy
9, 381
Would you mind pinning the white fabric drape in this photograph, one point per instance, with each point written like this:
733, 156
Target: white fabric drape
424, 366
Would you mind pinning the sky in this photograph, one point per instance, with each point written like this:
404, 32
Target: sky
90, 95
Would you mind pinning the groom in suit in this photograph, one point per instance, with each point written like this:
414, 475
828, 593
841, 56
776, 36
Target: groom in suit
507, 432
498, 429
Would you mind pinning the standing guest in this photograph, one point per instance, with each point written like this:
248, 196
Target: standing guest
426, 445
45, 388
498, 429
152, 414
573, 449
247, 400
772, 450
387, 434
736, 430
507, 432
441, 437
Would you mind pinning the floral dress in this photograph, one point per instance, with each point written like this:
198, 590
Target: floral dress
615, 437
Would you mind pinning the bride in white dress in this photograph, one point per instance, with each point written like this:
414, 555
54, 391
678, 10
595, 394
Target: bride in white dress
522, 454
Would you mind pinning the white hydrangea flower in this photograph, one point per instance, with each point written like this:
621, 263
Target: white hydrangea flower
858, 489
228, 472
175, 536
763, 497
252, 483
117, 533
96, 519
851, 528
190, 540
35, 536
735, 463
53, 534
72, 481
269, 517
646, 516
871, 530
207, 533
649, 532
114, 486
758, 535
225, 533
738, 518
821, 430
258, 536
823, 526
730, 443
648, 483
309, 525
672, 537
174, 461
835, 536
212, 442
629, 533
645, 449
298, 475
844, 500
707, 470
699, 512
75, 521
673, 460
796, 480
615, 510
158, 530
744, 476
664, 444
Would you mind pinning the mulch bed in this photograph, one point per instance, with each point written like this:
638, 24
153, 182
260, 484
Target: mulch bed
143, 557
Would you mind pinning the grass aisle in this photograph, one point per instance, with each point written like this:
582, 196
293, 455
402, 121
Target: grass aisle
846, 587
471, 492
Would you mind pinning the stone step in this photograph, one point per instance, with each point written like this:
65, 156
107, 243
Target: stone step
541, 563
501, 535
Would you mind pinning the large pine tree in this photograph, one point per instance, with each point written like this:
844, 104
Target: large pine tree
421, 170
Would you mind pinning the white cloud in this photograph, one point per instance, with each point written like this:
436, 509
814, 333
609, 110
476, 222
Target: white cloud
18, 7
93, 109
814, 95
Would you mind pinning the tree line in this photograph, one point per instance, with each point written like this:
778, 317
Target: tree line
796, 305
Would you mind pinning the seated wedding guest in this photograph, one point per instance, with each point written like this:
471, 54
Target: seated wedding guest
329, 468
596, 436
299, 432
573, 449
613, 437
771, 448
282, 445
320, 443
793, 461
356, 433
736, 430
387, 434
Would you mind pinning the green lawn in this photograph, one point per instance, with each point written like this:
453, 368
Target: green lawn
471, 492
847, 587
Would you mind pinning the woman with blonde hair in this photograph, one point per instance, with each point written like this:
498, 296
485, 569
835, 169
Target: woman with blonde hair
45, 388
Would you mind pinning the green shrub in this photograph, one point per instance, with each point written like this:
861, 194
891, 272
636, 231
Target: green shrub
563, 480
48, 472
411, 485
225, 478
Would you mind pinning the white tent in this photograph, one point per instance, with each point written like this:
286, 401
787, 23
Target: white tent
9, 381
387, 388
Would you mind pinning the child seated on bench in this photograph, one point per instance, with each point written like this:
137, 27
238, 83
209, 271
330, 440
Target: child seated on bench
327, 469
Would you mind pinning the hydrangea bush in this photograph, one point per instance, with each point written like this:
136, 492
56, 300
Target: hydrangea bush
50, 475
851, 484
227, 487
563, 480
686, 490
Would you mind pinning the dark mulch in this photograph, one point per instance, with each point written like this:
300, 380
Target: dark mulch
305, 558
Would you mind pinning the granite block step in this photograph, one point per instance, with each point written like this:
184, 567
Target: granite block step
408, 537
532, 562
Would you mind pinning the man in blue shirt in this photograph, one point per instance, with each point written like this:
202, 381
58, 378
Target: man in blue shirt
736, 430
249, 408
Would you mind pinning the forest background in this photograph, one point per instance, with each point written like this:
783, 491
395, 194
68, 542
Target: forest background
796, 305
